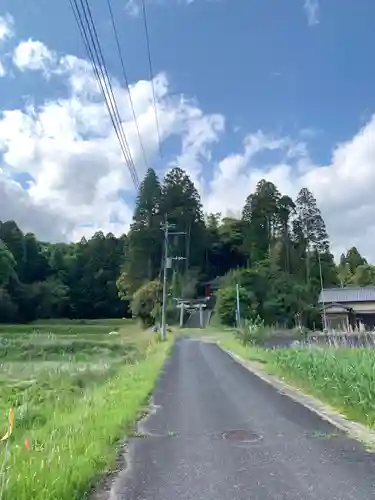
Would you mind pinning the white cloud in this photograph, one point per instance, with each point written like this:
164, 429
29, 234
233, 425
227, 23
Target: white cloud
237, 174
70, 151
33, 55
344, 188
68, 148
6, 32
312, 11
6, 27
16, 204
202, 132
134, 7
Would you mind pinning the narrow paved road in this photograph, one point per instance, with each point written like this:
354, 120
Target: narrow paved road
220, 433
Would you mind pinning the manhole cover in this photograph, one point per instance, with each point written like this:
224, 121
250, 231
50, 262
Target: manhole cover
241, 435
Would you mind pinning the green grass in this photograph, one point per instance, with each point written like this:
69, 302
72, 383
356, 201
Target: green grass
67, 327
341, 377
75, 395
344, 378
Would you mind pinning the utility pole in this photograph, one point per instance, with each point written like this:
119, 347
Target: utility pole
182, 310
238, 306
167, 265
322, 292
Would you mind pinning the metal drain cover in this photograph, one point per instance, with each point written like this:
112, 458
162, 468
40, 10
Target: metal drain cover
241, 436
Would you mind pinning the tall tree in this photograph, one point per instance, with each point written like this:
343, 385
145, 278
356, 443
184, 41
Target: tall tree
354, 259
261, 213
36, 265
7, 264
181, 204
225, 250
13, 238
145, 236
285, 208
271, 252
309, 228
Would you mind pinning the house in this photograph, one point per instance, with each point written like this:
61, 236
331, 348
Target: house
350, 308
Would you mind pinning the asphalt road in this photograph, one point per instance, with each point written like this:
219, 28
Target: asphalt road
220, 433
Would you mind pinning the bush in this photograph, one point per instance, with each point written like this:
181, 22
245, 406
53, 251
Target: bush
144, 302
227, 304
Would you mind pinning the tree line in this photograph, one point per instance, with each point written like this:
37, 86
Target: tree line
273, 251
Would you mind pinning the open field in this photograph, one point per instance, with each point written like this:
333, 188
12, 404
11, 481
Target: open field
76, 390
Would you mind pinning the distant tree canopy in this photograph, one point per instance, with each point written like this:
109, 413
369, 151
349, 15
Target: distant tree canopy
273, 252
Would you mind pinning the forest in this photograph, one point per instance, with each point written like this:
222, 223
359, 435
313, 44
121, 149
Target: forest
272, 251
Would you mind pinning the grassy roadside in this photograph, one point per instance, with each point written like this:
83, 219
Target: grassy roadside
73, 418
344, 378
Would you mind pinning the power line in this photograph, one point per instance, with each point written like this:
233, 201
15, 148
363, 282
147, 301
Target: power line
151, 73
102, 77
126, 80
109, 89
103, 80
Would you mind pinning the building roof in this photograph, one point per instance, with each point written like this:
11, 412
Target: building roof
335, 304
213, 282
202, 300
347, 294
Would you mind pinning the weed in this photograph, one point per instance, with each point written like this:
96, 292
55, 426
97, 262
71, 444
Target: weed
252, 333
343, 377
75, 394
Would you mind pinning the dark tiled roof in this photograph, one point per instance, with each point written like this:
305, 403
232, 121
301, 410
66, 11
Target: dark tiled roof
213, 282
348, 294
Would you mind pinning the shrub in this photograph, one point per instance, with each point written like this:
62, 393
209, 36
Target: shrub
144, 302
227, 304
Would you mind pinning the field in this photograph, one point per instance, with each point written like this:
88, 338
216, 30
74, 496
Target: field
76, 391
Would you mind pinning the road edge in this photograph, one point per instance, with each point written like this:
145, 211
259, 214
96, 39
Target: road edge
354, 429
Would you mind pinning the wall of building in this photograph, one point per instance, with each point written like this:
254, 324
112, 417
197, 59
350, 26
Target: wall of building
358, 307
337, 321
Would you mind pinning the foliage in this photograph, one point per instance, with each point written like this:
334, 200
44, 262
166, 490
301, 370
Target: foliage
278, 298
43, 280
253, 332
71, 406
124, 286
145, 236
7, 264
145, 301
364, 275
353, 259
226, 304
278, 251
343, 377
344, 274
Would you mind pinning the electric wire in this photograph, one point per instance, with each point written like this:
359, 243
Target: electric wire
151, 74
126, 81
109, 90
100, 71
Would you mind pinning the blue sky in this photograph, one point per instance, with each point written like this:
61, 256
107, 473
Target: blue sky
281, 89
